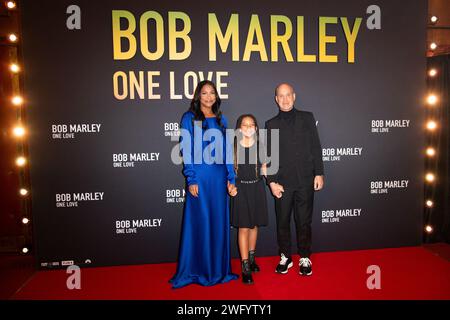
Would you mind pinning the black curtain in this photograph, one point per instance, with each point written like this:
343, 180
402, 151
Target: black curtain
439, 216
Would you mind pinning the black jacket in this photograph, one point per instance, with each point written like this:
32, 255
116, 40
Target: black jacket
300, 152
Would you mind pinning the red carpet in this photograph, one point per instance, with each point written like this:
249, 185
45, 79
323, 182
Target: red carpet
14, 271
406, 273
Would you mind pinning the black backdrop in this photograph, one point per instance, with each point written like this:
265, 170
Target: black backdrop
89, 211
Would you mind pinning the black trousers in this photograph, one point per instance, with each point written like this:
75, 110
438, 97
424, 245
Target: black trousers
301, 200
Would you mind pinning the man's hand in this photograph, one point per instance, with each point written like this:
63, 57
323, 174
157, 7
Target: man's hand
318, 183
232, 190
193, 189
277, 189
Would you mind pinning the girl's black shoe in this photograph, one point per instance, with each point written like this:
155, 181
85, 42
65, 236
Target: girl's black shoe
246, 273
252, 260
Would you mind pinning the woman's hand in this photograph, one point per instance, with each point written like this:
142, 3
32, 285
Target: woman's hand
193, 189
232, 190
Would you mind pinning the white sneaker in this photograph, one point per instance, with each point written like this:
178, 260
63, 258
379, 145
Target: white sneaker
284, 265
305, 267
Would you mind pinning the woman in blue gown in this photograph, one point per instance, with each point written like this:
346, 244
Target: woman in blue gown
204, 253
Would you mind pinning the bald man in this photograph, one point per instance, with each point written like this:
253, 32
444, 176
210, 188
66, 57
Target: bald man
300, 174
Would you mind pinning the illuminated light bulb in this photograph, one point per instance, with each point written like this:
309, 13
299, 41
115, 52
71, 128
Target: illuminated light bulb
23, 192
25, 250
429, 229
429, 203
14, 68
19, 131
434, 19
432, 72
431, 125
430, 152
25, 220
429, 177
432, 99
10, 5
20, 161
433, 46
12, 37
17, 100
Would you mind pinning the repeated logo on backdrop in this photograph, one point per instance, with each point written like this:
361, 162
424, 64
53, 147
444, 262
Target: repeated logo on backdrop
104, 166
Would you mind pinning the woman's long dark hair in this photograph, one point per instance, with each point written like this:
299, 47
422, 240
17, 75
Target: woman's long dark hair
195, 103
239, 136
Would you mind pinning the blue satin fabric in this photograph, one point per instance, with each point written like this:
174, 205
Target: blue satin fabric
204, 254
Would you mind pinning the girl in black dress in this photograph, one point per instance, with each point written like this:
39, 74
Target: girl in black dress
249, 205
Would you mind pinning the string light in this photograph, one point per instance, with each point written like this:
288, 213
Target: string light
430, 152
17, 100
11, 5
19, 131
14, 68
432, 99
12, 37
432, 72
431, 125
429, 177
21, 161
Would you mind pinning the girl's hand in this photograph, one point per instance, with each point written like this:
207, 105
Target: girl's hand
193, 189
232, 190
264, 169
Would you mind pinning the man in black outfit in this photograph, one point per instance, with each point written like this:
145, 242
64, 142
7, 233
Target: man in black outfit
300, 173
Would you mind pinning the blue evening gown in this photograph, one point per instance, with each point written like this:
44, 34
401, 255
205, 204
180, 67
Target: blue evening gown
204, 254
